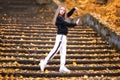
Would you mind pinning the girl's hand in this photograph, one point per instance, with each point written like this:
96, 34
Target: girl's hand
77, 21
76, 8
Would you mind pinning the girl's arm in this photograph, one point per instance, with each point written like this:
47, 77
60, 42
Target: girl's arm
71, 12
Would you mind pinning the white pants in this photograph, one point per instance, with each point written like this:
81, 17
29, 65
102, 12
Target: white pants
60, 45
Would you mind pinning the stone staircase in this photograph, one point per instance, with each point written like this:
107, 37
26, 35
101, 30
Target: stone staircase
27, 36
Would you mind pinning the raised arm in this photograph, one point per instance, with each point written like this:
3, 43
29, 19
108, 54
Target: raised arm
70, 12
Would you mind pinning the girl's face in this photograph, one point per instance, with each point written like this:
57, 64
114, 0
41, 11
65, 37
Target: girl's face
62, 11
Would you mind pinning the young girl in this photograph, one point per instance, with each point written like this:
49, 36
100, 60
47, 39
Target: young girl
60, 43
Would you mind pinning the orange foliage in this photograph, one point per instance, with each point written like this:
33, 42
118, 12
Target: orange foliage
108, 14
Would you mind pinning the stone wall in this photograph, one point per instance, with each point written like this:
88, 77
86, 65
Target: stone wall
103, 30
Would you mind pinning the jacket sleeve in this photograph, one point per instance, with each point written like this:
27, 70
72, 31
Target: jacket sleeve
61, 21
70, 12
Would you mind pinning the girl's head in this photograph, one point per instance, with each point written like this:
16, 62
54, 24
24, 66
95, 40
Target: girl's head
61, 11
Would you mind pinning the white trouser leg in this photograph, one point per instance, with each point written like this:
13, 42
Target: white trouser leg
63, 52
56, 48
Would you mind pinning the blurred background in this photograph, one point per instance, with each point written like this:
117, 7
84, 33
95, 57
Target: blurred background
27, 35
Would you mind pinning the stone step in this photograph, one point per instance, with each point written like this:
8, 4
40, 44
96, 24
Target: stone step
47, 25
24, 22
41, 28
46, 48
48, 33
87, 45
59, 78
57, 56
25, 35
56, 67
24, 16
83, 41
50, 39
68, 61
26, 25
70, 50
16, 16
51, 46
50, 36
35, 73
17, 1
34, 50
28, 33
45, 31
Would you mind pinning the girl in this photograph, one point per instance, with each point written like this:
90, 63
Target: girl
60, 43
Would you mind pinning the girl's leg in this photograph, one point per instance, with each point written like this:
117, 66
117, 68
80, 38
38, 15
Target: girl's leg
56, 48
63, 56
63, 52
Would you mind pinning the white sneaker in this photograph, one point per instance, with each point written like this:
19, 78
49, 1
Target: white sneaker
64, 69
42, 65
